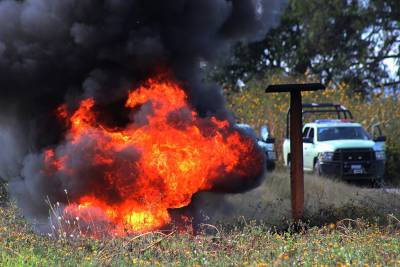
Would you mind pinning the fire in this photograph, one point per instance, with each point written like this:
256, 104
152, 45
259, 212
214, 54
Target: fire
131, 177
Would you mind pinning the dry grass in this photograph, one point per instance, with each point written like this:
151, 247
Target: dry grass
326, 201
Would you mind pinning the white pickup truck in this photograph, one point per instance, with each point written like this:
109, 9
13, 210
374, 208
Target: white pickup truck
339, 147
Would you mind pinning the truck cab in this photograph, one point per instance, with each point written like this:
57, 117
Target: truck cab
340, 147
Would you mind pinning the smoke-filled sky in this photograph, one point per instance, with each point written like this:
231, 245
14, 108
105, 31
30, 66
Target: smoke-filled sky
51, 50
60, 51
54, 52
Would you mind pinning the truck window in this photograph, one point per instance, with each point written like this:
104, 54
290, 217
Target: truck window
311, 133
340, 133
305, 131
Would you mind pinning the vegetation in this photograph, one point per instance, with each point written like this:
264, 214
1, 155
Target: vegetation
337, 41
342, 240
256, 108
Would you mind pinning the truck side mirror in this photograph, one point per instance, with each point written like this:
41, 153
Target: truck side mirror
264, 133
308, 140
380, 139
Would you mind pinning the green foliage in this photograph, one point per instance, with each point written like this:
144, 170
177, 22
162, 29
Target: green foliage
333, 40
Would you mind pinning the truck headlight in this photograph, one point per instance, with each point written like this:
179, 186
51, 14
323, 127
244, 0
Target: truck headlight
271, 155
326, 156
380, 155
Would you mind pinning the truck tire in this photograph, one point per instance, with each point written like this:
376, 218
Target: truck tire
270, 166
378, 182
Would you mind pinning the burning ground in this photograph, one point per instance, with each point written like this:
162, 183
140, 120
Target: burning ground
105, 112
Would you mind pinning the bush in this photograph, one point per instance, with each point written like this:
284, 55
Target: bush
256, 108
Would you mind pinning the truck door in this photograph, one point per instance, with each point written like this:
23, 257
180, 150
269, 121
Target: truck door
308, 150
378, 137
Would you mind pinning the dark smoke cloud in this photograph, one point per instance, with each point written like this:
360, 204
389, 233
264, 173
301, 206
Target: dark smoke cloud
53, 52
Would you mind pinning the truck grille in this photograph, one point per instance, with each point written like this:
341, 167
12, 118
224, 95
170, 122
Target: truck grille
354, 155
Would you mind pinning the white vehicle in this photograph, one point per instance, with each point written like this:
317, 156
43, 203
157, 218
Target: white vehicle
339, 147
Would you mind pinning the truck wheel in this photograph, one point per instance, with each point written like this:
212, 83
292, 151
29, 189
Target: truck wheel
378, 183
270, 166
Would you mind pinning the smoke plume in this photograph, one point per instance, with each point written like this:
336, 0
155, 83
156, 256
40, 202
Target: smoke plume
55, 52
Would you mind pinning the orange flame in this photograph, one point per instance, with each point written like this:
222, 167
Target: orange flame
135, 175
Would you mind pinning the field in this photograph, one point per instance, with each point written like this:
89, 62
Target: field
343, 225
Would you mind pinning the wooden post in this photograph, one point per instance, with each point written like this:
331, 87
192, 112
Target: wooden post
296, 154
296, 141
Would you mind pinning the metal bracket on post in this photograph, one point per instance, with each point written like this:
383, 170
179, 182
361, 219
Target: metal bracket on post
296, 141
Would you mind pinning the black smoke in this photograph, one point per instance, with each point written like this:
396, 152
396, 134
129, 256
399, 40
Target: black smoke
54, 52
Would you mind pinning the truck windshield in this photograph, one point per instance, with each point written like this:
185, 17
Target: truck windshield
340, 133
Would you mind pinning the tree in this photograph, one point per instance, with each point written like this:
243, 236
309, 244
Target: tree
334, 40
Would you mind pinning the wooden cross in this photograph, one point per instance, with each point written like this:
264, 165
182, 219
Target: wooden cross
296, 141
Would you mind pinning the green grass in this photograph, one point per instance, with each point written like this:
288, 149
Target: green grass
255, 231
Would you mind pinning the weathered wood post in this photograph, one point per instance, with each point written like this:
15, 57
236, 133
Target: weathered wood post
296, 141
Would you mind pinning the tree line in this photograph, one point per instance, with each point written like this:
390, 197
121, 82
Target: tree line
356, 42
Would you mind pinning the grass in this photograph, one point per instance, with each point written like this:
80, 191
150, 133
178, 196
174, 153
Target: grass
345, 225
326, 201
